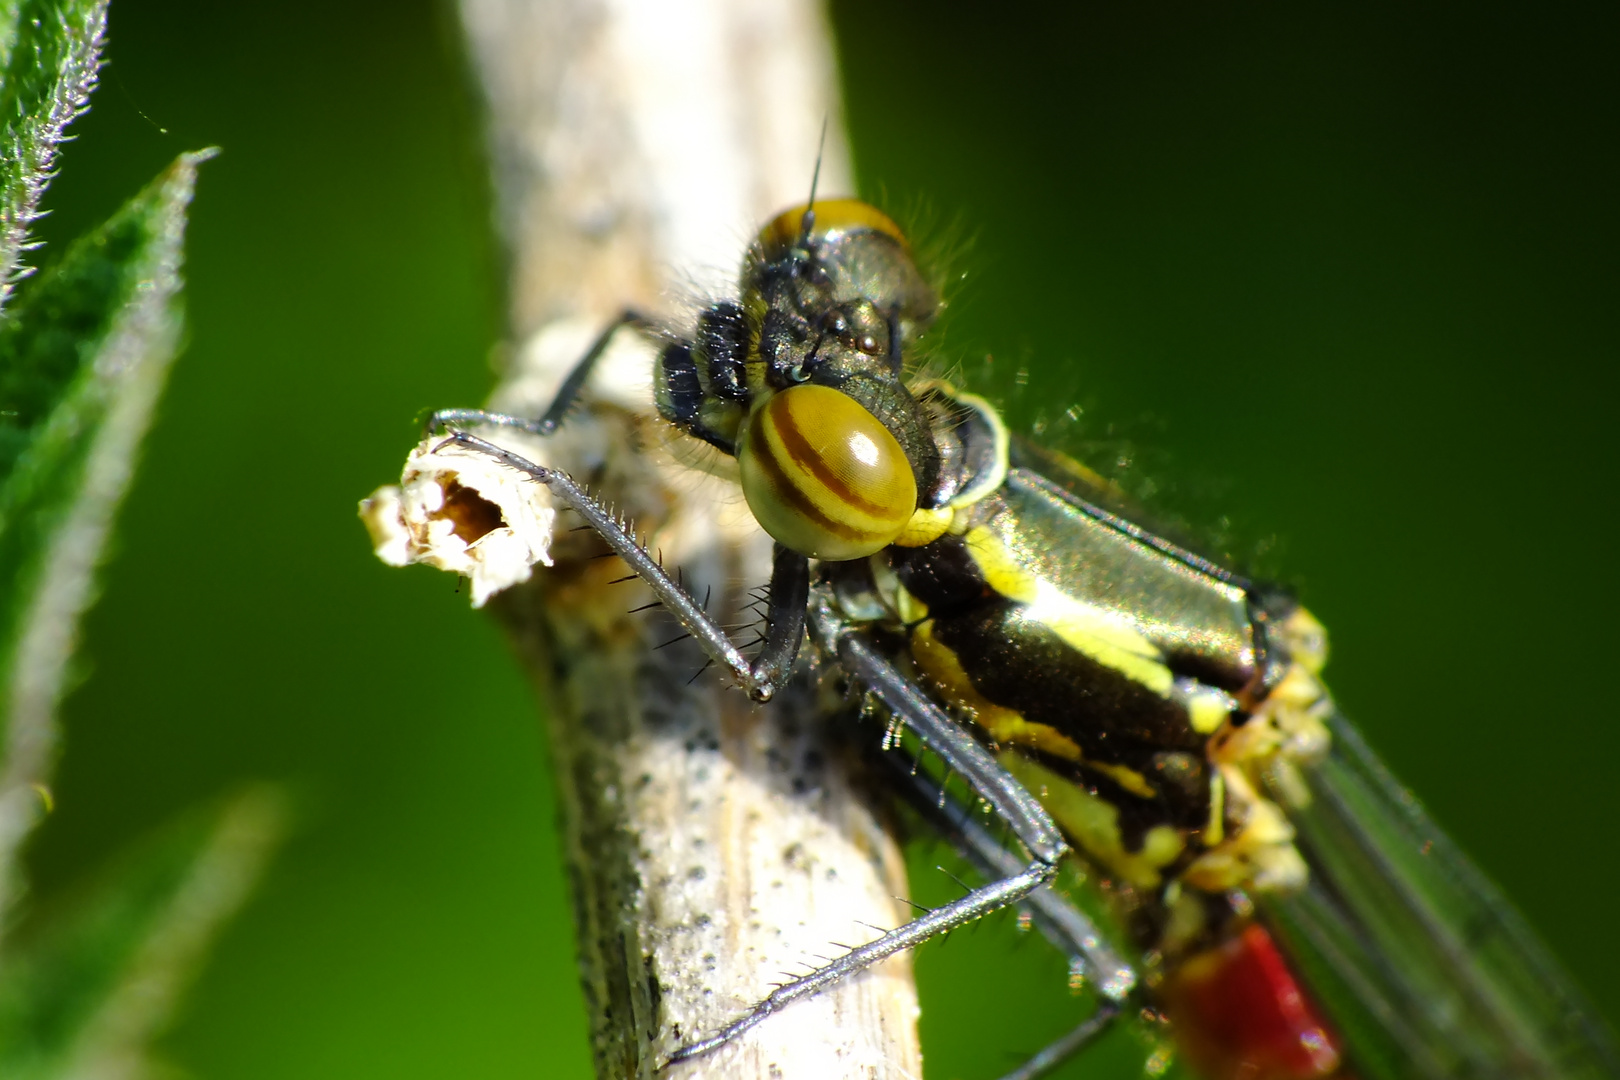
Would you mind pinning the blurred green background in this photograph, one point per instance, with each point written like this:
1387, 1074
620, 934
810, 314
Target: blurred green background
1348, 277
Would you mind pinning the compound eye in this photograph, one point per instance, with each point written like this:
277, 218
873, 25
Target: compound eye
823, 476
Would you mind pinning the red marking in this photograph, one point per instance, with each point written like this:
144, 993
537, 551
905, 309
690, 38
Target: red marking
1240, 1014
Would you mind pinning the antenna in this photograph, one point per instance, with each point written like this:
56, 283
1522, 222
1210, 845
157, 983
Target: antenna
808, 222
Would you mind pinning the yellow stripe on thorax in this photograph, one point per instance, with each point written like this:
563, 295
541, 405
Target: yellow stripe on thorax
1093, 824
1008, 727
1105, 637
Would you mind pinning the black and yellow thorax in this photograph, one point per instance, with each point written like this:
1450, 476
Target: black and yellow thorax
1135, 687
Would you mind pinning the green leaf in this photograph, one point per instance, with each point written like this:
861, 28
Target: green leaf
89, 993
83, 355
50, 51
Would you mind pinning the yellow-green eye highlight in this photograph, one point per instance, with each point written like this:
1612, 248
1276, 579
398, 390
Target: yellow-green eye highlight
823, 476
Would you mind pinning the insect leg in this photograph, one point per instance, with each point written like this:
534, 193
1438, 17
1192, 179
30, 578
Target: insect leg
1007, 798
784, 619
988, 780
789, 590
976, 904
567, 393
1060, 1050
1063, 924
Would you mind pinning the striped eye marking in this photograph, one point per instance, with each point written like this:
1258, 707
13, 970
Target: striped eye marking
823, 476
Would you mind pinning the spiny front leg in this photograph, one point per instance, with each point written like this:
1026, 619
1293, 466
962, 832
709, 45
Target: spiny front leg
975, 905
789, 590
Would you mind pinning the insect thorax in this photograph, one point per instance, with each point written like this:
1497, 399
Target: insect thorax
1153, 707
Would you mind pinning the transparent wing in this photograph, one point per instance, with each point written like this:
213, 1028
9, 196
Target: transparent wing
1420, 959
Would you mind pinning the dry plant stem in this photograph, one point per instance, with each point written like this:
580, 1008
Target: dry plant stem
713, 844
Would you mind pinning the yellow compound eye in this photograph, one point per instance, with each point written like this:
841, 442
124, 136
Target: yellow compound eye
823, 476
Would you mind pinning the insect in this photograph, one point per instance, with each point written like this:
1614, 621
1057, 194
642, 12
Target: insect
1104, 694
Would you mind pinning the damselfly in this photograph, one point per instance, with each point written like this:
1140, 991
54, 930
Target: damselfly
1102, 692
